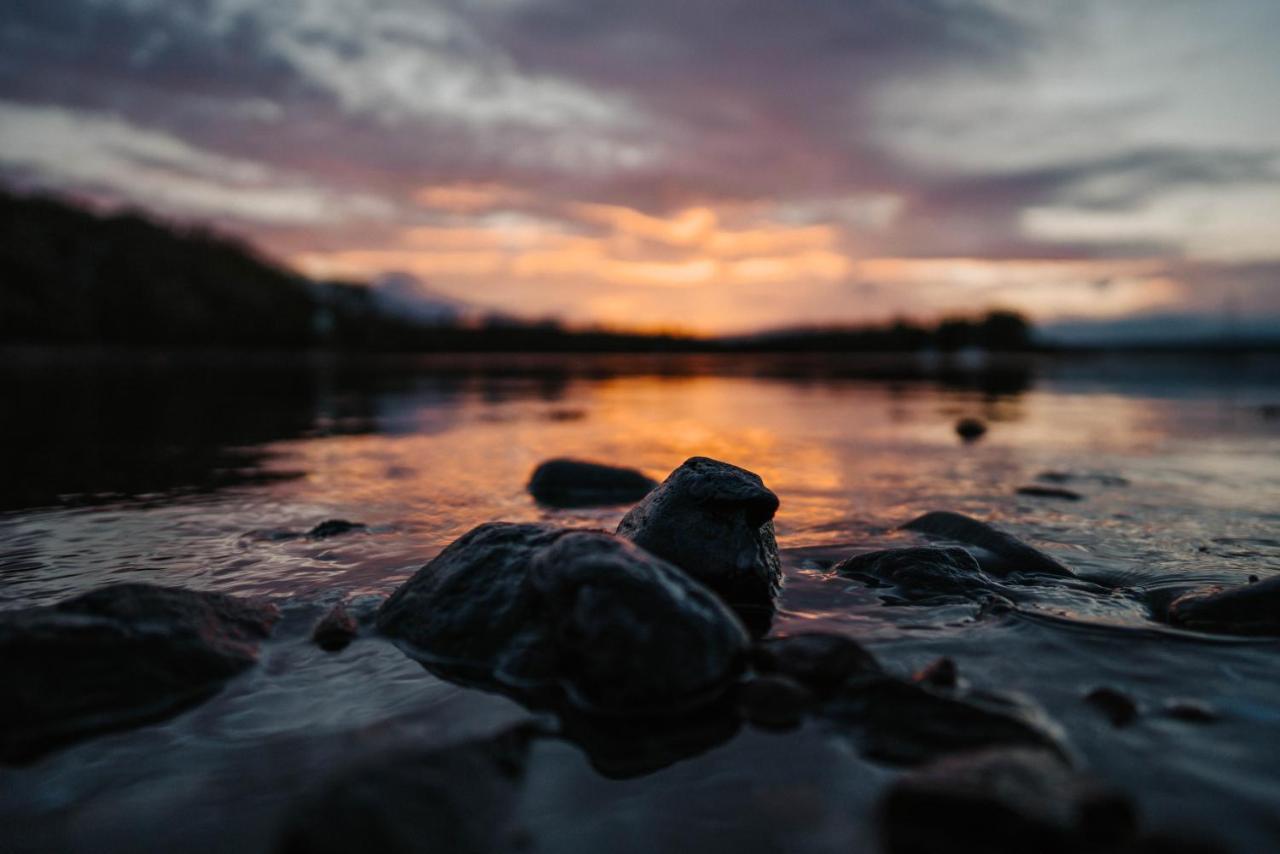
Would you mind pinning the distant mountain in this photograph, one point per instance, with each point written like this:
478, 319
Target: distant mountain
1164, 330
404, 295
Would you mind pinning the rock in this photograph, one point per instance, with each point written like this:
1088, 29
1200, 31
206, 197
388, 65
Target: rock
942, 673
774, 701
1003, 801
921, 573
532, 606
1117, 706
574, 483
116, 657
1191, 711
996, 552
334, 528
970, 429
1250, 609
335, 630
821, 662
714, 521
1049, 492
456, 799
909, 722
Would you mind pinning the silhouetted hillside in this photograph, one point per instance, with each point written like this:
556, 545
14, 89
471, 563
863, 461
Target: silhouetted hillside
69, 276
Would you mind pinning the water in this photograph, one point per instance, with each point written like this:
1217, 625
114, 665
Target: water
196, 473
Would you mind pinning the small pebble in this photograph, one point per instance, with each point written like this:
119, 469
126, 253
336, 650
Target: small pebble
335, 630
1118, 707
970, 429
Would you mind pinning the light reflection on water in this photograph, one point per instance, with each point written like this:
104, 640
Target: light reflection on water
423, 456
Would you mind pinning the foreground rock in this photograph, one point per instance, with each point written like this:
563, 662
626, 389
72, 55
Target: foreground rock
116, 657
456, 799
1250, 609
532, 606
921, 574
714, 521
996, 552
909, 723
1003, 801
575, 483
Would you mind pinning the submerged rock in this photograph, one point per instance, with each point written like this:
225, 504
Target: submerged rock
714, 521
921, 573
1250, 609
456, 799
821, 662
335, 630
996, 552
970, 429
116, 657
532, 606
1036, 491
1117, 706
912, 722
774, 701
334, 528
575, 483
1003, 801
940, 673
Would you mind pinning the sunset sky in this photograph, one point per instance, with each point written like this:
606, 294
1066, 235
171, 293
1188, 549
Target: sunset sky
707, 165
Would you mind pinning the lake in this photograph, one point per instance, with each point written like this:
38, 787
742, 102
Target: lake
201, 472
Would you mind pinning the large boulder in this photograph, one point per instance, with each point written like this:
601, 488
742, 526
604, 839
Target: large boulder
997, 552
1249, 609
118, 656
532, 606
1003, 801
575, 483
925, 573
714, 521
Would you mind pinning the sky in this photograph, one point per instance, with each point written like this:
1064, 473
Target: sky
697, 165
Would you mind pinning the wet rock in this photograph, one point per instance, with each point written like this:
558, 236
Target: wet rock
335, 630
531, 606
912, 722
996, 552
821, 662
774, 701
921, 573
116, 657
1190, 711
575, 483
456, 799
970, 429
714, 521
334, 528
1250, 609
941, 673
1003, 801
1117, 706
1096, 477
1049, 492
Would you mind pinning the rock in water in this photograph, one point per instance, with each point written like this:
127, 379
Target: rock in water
997, 552
1003, 802
574, 483
821, 662
970, 429
116, 657
334, 528
335, 630
528, 606
714, 521
456, 799
922, 573
912, 722
1250, 609
1036, 491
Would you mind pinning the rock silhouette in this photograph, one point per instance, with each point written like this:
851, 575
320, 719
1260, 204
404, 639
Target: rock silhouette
576, 483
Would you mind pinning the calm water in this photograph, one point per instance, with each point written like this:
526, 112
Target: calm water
193, 474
